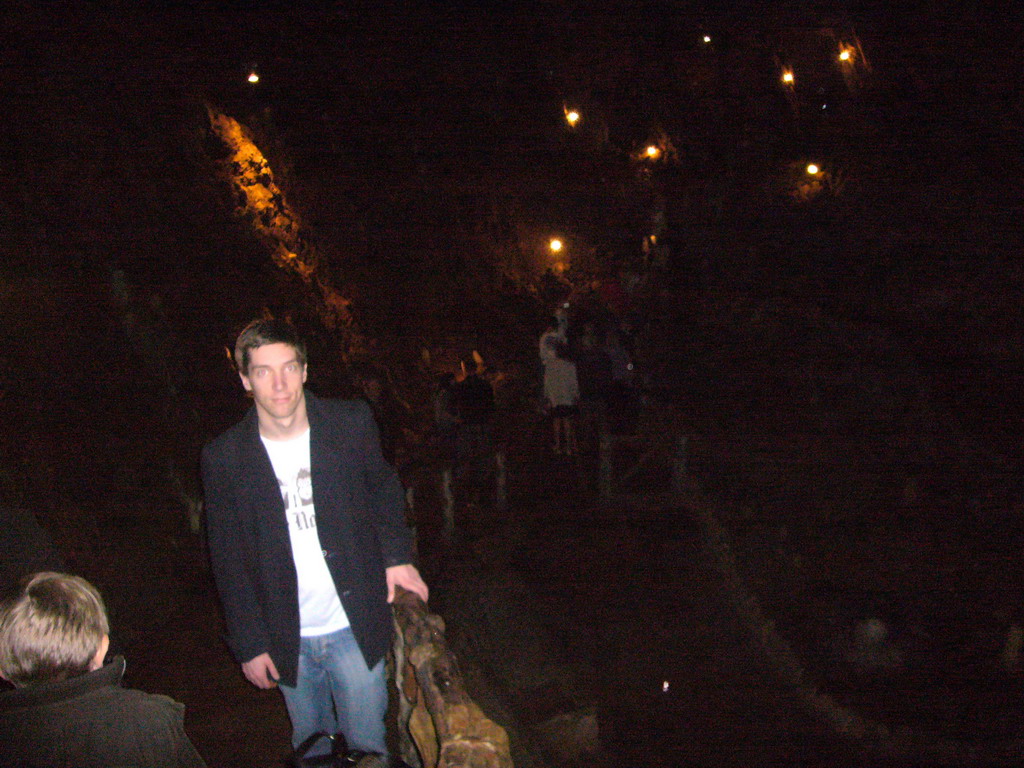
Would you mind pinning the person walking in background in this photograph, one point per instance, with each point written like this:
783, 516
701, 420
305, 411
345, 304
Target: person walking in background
67, 707
372, 382
308, 543
561, 387
474, 404
446, 418
621, 400
594, 374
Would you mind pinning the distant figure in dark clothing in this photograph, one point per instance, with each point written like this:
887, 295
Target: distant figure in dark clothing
386, 412
446, 417
67, 708
612, 293
474, 399
594, 374
553, 288
621, 399
474, 405
25, 547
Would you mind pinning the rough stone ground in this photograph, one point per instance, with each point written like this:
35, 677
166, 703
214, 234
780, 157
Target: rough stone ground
625, 605
575, 607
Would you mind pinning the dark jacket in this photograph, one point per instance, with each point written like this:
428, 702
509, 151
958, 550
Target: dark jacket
90, 721
359, 505
474, 400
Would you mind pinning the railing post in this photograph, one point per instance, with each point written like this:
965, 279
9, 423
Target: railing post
500, 478
449, 503
679, 465
604, 465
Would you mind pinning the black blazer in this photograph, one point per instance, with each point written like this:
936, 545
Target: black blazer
359, 505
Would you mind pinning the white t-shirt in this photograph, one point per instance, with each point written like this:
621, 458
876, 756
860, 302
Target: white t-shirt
320, 610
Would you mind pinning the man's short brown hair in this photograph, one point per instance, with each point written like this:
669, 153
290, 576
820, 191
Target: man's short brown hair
259, 333
51, 630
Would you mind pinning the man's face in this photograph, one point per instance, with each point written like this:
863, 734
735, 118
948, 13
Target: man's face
275, 378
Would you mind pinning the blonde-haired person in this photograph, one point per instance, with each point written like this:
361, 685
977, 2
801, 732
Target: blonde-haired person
67, 707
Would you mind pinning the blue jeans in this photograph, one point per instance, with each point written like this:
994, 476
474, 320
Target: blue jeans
336, 692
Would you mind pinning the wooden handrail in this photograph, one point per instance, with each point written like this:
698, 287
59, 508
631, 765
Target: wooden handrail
439, 725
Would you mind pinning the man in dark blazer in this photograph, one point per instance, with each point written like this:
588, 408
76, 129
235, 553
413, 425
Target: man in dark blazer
308, 541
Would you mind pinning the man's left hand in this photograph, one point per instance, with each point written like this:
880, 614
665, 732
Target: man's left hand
408, 577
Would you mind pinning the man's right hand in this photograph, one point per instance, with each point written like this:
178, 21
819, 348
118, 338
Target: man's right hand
261, 671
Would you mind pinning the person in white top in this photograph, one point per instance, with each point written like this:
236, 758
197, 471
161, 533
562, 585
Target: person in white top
561, 387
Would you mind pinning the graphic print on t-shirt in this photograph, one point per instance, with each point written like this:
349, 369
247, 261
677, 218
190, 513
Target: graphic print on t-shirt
298, 500
320, 610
